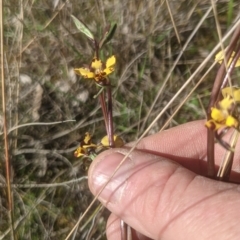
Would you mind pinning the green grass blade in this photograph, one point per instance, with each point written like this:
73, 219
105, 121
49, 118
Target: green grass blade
108, 35
230, 12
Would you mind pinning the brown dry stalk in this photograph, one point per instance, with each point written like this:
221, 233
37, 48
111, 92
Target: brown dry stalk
5, 130
226, 167
7, 158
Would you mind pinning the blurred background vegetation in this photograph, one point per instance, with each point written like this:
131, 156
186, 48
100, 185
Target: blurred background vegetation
42, 47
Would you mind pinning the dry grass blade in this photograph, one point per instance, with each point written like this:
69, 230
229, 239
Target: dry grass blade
36, 124
173, 22
226, 166
5, 130
47, 185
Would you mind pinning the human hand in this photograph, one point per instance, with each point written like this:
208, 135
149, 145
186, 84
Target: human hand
160, 190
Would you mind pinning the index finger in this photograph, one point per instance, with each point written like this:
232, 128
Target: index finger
187, 145
187, 140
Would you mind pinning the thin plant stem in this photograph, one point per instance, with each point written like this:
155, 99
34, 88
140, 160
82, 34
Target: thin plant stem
47, 185
110, 118
96, 46
231, 66
104, 110
5, 130
123, 227
226, 166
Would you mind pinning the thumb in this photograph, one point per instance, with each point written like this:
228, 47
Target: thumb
161, 199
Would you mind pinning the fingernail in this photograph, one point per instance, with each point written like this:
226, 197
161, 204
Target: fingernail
101, 174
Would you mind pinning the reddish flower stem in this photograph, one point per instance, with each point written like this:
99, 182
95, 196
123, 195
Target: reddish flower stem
110, 118
104, 110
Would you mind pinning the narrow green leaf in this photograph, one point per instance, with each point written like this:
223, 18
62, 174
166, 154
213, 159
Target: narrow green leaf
230, 12
108, 35
82, 28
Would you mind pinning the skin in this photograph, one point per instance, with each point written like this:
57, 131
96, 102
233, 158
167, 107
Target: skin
161, 191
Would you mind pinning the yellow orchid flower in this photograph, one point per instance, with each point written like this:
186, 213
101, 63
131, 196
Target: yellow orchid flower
211, 124
87, 139
222, 115
221, 119
218, 115
231, 122
233, 92
85, 146
226, 104
220, 56
80, 152
118, 142
97, 71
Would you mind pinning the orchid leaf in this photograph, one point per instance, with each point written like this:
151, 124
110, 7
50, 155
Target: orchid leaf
82, 28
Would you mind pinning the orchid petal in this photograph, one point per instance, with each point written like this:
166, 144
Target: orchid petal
79, 152
211, 124
118, 142
87, 139
96, 64
107, 71
85, 72
111, 62
228, 91
220, 56
226, 103
231, 122
236, 95
217, 115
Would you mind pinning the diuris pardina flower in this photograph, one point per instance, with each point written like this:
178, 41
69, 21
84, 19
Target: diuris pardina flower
222, 115
85, 147
220, 57
97, 71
